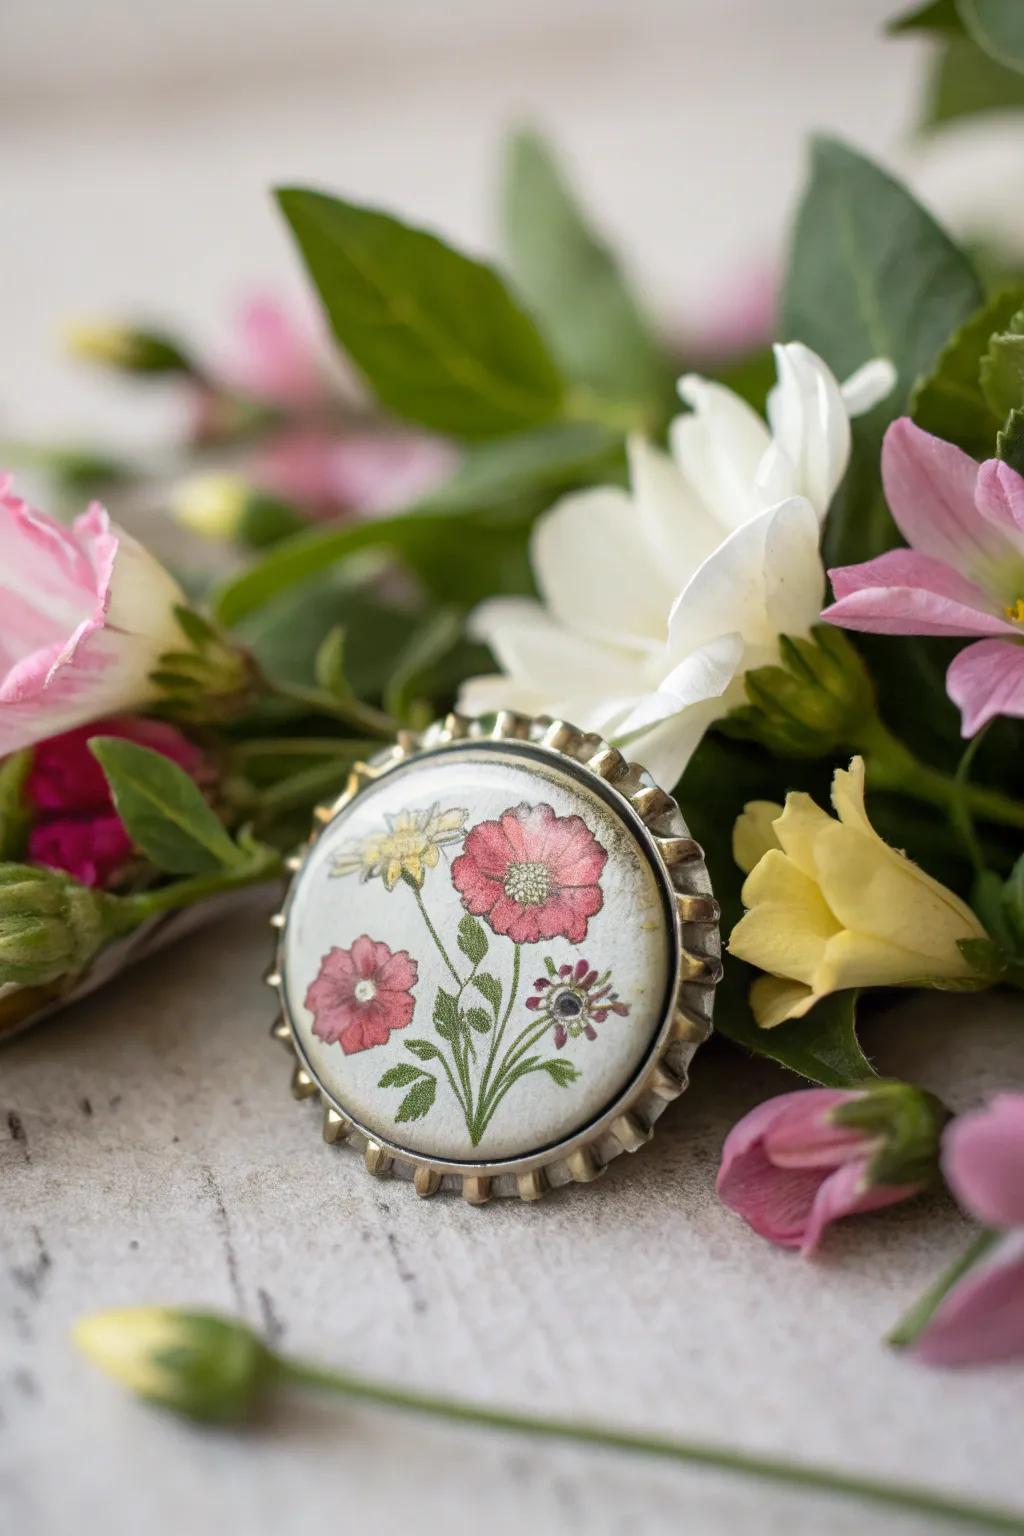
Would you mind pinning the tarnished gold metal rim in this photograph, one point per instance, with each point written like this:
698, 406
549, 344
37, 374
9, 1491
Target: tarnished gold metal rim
624, 1125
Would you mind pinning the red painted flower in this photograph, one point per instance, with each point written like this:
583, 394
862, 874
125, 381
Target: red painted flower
361, 994
532, 874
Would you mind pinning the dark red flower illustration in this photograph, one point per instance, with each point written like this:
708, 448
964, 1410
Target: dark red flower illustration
533, 875
361, 994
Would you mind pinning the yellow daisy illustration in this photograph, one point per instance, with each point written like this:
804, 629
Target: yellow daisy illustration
407, 849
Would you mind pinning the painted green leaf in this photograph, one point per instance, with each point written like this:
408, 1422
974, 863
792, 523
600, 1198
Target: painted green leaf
997, 26
478, 1019
163, 811
400, 1076
870, 274
949, 401
1002, 368
424, 1049
472, 939
572, 282
438, 336
561, 1070
418, 1101
14, 813
446, 1014
490, 987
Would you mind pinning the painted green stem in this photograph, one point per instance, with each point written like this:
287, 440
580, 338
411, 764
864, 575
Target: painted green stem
772, 1469
478, 1126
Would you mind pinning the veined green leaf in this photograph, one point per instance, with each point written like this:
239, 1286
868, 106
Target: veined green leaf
438, 336
163, 811
1010, 441
418, 1101
472, 938
964, 81
997, 26
822, 1046
949, 401
1002, 368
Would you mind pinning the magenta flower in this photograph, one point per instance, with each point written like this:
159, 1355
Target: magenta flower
790, 1169
533, 875
87, 612
962, 576
75, 826
981, 1319
361, 994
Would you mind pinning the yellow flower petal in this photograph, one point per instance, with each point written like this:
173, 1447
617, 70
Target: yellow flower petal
754, 833
788, 925
773, 1000
798, 829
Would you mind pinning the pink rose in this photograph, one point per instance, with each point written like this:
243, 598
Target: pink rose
981, 1318
790, 1167
87, 614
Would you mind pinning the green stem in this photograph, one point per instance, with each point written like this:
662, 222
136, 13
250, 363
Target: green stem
130, 911
695, 1453
920, 1314
891, 766
518, 1049
361, 716
476, 1130
461, 1065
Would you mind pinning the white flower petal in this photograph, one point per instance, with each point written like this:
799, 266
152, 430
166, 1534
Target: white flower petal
543, 655
718, 449
677, 526
872, 382
665, 748
810, 427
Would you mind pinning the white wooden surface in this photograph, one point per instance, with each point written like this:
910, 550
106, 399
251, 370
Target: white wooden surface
148, 1146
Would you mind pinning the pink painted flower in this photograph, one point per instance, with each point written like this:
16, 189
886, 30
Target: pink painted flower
981, 1318
790, 1167
75, 826
532, 874
361, 994
87, 612
963, 575
330, 471
573, 998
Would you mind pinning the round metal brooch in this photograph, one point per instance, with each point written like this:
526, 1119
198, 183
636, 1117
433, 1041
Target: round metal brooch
496, 958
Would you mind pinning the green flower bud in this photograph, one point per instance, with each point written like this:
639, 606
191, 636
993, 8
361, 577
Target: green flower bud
814, 704
209, 679
126, 348
225, 508
904, 1123
194, 1363
50, 925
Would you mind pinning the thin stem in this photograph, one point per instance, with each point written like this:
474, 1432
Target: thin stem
892, 766
913, 1322
518, 1049
461, 1065
434, 934
354, 712
477, 1130
959, 811
767, 1468
133, 910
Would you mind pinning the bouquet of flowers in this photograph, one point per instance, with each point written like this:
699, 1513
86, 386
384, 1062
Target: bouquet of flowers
790, 579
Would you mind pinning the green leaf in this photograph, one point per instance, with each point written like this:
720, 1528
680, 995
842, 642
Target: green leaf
949, 401
15, 818
490, 987
438, 336
400, 1076
935, 16
478, 1019
561, 1070
472, 939
329, 664
424, 1049
572, 282
1002, 369
409, 685
163, 811
418, 1101
1010, 441
447, 1021
964, 81
984, 957
870, 275
997, 26
822, 1046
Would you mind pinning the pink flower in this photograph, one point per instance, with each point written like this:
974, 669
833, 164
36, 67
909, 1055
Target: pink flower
573, 998
365, 472
532, 874
963, 575
75, 825
274, 358
361, 994
87, 613
789, 1168
981, 1319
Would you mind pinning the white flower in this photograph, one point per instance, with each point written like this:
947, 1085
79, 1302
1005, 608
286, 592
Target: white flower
655, 602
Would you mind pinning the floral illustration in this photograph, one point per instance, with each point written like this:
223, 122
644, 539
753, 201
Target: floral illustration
361, 994
573, 998
407, 849
532, 875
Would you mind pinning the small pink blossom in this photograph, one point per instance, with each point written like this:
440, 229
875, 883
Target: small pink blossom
962, 576
330, 471
274, 358
790, 1170
361, 994
87, 614
981, 1319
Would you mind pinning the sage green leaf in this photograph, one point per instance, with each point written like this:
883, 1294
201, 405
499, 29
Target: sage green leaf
446, 1014
408, 689
870, 274
329, 664
478, 1019
15, 818
401, 1076
472, 939
935, 16
1010, 441
163, 811
822, 1046
489, 987
425, 1050
949, 401
997, 26
563, 1072
418, 1101
438, 336
1002, 368
572, 283
964, 81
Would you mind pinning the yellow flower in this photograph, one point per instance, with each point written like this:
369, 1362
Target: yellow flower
830, 905
406, 850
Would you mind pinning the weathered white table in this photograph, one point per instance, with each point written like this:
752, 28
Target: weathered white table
150, 1151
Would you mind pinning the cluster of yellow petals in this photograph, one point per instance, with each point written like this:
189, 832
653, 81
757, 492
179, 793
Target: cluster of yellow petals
408, 847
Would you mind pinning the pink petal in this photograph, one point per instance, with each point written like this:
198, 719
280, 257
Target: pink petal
845, 1193
802, 1136
930, 486
906, 593
275, 359
999, 496
398, 972
981, 1320
91, 848
983, 1161
364, 956
986, 680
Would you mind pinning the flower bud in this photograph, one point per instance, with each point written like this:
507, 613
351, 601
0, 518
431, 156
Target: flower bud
813, 704
50, 926
194, 1363
226, 509
209, 679
127, 349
